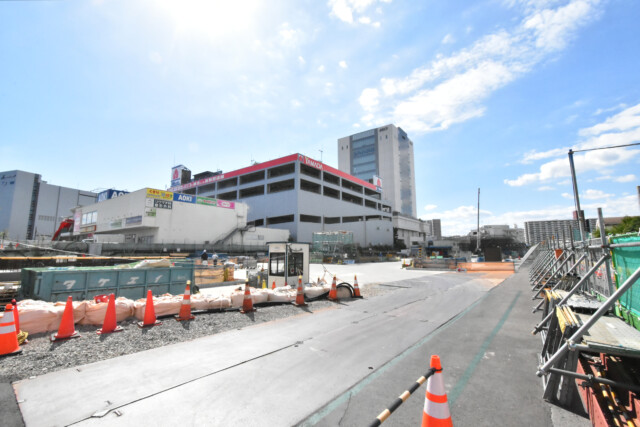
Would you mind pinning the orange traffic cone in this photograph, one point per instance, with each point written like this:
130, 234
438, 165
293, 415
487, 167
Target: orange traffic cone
22, 336
185, 308
8, 335
436, 408
110, 324
333, 293
356, 289
300, 294
67, 328
247, 303
149, 313
274, 285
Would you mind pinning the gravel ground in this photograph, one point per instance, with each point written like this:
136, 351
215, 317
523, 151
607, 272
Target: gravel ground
40, 356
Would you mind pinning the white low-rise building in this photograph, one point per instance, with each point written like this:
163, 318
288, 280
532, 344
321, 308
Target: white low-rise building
154, 216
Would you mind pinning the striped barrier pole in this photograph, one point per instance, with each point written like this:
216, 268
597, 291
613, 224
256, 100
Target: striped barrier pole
401, 399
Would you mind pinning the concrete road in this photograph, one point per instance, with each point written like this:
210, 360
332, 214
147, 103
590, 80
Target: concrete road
337, 366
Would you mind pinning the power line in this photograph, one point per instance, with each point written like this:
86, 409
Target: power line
606, 148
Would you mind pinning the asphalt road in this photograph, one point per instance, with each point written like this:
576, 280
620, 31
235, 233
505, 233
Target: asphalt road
338, 366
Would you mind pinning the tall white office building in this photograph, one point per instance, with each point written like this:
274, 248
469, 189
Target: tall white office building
382, 156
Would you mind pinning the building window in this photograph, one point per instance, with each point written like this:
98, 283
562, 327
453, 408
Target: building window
351, 219
330, 192
332, 220
252, 177
280, 219
310, 218
276, 187
310, 186
281, 170
89, 218
351, 198
231, 195
209, 188
256, 223
351, 186
308, 170
327, 177
232, 182
370, 204
252, 192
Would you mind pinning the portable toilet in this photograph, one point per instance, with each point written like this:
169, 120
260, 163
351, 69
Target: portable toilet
288, 261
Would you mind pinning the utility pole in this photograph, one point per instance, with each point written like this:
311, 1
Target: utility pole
577, 198
478, 229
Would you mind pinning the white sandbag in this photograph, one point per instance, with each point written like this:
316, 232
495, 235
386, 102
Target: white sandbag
257, 296
237, 296
163, 305
220, 303
96, 311
199, 302
260, 295
37, 316
283, 294
79, 311
312, 291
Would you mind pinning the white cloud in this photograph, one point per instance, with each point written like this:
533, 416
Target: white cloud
289, 37
621, 129
369, 99
430, 207
452, 89
301, 60
321, 68
625, 120
546, 188
343, 64
448, 39
345, 10
193, 147
295, 103
608, 110
626, 178
595, 195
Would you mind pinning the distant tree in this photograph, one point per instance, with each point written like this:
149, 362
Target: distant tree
629, 224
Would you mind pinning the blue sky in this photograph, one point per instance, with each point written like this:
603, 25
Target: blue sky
111, 94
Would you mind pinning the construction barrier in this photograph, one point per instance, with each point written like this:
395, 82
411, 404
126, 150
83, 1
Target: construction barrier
436, 409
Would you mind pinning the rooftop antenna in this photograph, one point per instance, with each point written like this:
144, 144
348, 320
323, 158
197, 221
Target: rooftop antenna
478, 229
320, 155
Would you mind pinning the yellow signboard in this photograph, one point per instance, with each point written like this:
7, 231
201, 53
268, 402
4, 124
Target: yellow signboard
159, 194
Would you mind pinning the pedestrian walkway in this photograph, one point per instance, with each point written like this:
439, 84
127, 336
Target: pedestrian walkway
489, 360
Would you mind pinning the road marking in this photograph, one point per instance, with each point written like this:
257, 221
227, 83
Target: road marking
344, 397
464, 379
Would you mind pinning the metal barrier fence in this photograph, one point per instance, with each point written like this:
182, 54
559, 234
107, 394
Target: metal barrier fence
587, 291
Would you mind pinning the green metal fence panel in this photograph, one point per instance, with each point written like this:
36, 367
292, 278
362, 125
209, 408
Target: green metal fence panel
626, 261
57, 283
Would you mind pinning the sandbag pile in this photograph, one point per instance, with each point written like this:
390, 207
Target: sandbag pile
41, 316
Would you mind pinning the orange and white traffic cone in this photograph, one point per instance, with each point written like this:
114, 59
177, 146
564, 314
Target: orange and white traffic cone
149, 313
22, 336
185, 308
436, 408
67, 328
8, 335
247, 303
356, 289
110, 324
274, 285
333, 293
300, 294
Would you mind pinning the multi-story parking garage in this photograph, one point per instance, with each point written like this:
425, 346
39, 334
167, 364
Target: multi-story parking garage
301, 195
